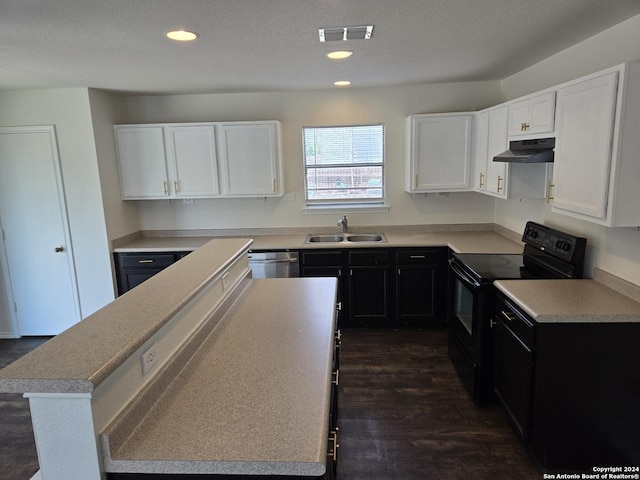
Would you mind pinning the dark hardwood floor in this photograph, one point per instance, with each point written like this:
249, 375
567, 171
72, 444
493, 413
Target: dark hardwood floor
18, 457
403, 414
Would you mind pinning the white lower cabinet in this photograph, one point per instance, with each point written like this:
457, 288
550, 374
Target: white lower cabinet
199, 160
438, 152
597, 171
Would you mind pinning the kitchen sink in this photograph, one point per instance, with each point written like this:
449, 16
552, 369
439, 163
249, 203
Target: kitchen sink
349, 237
324, 238
378, 237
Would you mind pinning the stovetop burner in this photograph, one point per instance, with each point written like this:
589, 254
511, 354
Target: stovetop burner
547, 253
493, 266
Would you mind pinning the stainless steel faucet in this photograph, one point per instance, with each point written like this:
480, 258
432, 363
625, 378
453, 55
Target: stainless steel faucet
344, 224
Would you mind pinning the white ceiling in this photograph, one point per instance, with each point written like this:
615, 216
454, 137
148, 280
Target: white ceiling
269, 45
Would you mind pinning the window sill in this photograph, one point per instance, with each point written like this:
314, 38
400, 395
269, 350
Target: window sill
346, 208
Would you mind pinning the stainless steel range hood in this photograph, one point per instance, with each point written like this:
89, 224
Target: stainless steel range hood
538, 150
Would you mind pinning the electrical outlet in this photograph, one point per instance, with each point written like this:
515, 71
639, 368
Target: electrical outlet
149, 358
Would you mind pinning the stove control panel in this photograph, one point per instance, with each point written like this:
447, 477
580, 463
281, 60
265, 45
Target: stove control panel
559, 244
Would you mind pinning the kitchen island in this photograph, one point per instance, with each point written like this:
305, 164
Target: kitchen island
201, 351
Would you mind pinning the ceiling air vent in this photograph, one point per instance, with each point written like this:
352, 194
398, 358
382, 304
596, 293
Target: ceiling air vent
336, 34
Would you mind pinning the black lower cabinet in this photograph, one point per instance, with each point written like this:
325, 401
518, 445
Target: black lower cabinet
420, 287
134, 268
384, 287
571, 390
369, 292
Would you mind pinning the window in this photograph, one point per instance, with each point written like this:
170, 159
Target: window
344, 164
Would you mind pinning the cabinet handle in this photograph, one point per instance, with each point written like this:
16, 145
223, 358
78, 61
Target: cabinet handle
415, 181
275, 185
481, 180
166, 187
549, 187
399, 272
524, 127
339, 306
336, 380
508, 315
175, 186
499, 182
417, 257
334, 439
145, 261
58, 249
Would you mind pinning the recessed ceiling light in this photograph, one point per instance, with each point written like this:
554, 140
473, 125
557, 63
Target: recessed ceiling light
342, 83
182, 35
339, 54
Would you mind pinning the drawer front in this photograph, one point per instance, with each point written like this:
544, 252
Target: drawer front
417, 257
516, 321
322, 259
369, 257
154, 260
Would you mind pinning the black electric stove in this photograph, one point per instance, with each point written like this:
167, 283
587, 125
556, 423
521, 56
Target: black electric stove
548, 253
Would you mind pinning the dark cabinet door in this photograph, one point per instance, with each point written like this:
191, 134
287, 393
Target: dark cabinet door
369, 296
326, 263
420, 294
415, 294
512, 377
134, 268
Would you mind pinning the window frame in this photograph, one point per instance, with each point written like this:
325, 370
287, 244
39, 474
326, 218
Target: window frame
346, 202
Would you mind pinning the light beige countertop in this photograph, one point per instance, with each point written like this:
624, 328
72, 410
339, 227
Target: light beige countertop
476, 239
570, 301
81, 357
255, 397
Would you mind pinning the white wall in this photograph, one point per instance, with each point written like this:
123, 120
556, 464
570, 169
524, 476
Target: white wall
108, 109
616, 250
296, 109
68, 110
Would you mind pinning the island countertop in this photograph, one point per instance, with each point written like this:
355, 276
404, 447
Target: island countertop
570, 301
254, 399
80, 358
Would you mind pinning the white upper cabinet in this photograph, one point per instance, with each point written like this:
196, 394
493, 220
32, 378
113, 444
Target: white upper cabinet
194, 160
142, 161
597, 171
480, 149
166, 161
191, 151
438, 152
250, 158
533, 115
490, 140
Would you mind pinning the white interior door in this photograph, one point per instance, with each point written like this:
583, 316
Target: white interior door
39, 272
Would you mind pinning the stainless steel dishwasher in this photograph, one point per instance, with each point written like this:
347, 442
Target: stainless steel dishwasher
274, 264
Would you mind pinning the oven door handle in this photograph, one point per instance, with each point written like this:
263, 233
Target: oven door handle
462, 275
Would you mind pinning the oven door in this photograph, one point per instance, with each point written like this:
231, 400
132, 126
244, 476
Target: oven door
465, 299
466, 307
